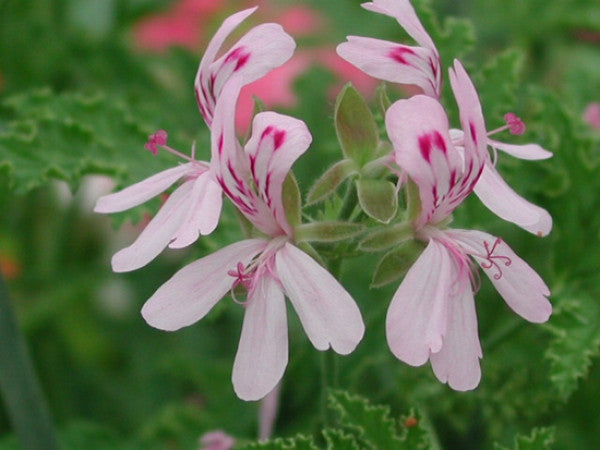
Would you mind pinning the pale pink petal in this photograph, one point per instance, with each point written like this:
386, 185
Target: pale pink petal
392, 62
457, 363
327, 312
276, 142
530, 152
518, 284
418, 129
138, 193
206, 96
203, 212
499, 198
259, 51
471, 119
406, 16
191, 293
417, 318
262, 353
157, 234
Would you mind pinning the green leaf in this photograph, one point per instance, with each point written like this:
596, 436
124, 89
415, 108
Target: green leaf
373, 424
326, 231
355, 126
331, 179
377, 198
70, 135
539, 439
386, 237
299, 442
396, 263
339, 440
575, 325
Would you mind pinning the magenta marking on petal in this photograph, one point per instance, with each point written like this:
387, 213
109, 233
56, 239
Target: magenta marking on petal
398, 54
240, 56
220, 144
439, 141
279, 138
491, 258
425, 147
473, 132
452, 178
266, 132
242, 62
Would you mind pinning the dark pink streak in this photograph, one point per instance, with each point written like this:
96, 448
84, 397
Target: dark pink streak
399, 54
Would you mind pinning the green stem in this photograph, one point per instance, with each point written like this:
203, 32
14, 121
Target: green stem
20, 389
329, 380
350, 201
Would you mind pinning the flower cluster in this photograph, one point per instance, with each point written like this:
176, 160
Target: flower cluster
432, 314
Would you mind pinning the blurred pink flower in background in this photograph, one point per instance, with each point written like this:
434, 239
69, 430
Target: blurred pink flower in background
216, 440
592, 115
184, 25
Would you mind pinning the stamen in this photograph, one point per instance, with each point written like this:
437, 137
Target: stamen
159, 139
491, 259
515, 124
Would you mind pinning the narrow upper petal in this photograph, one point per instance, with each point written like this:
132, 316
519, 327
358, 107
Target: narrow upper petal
418, 129
392, 62
138, 193
457, 363
406, 16
262, 353
417, 318
518, 284
499, 197
530, 152
158, 233
194, 290
203, 213
327, 312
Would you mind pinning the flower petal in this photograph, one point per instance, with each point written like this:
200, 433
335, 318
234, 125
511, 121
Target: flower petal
417, 317
392, 62
194, 290
418, 129
262, 354
327, 312
499, 198
203, 214
518, 284
276, 142
157, 234
530, 152
138, 193
457, 363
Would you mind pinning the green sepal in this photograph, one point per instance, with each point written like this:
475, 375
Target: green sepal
383, 100
331, 179
383, 238
326, 231
377, 198
310, 251
355, 126
396, 263
292, 201
413, 200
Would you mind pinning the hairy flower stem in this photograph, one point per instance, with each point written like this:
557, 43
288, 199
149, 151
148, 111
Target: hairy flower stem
329, 380
20, 389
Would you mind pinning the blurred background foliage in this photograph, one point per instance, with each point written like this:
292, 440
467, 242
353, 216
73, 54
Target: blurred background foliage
83, 82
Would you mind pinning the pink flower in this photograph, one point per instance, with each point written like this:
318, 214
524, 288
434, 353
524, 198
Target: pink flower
216, 440
266, 268
195, 206
592, 115
432, 314
420, 66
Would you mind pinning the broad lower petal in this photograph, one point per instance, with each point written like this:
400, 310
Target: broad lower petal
138, 193
417, 318
262, 353
518, 284
457, 363
327, 312
499, 197
203, 213
157, 234
530, 152
191, 293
